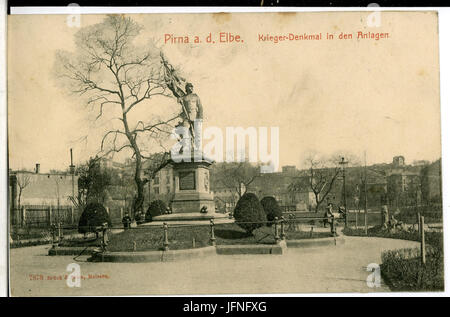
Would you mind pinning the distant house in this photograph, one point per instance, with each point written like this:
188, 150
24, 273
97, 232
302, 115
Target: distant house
431, 181
403, 183
42, 188
279, 186
110, 164
225, 198
45, 189
162, 185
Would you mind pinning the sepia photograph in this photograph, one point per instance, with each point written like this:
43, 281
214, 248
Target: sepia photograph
224, 153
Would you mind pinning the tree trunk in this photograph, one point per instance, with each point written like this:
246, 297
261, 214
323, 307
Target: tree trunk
20, 195
138, 203
316, 208
318, 202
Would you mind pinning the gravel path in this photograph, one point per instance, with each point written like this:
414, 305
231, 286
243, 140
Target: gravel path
339, 268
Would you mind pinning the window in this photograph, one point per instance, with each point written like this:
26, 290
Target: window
156, 180
168, 189
156, 190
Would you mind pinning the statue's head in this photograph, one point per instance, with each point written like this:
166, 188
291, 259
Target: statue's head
189, 88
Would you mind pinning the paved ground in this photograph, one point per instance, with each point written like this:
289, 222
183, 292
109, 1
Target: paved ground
326, 269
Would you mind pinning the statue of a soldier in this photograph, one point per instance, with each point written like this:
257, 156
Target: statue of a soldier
192, 109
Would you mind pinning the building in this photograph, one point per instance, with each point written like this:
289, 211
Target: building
398, 161
431, 183
225, 198
281, 187
107, 163
288, 169
35, 188
403, 184
43, 189
162, 185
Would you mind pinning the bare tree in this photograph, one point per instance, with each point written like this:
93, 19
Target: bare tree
115, 76
23, 180
322, 178
155, 163
236, 176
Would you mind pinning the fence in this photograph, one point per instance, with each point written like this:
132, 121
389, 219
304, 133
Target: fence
169, 236
288, 208
431, 213
43, 216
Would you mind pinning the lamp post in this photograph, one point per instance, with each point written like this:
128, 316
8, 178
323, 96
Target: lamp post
72, 172
343, 162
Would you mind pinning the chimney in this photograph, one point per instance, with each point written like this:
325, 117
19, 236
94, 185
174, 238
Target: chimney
38, 167
72, 167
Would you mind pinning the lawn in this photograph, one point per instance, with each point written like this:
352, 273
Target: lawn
299, 235
187, 237
402, 269
30, 233
180, 237
152, 238
25, 237
37, 233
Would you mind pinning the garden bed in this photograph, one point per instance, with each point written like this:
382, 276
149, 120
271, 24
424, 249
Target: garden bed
180, 237
404, 274
26, 237
183, 237
379, 233
402, 269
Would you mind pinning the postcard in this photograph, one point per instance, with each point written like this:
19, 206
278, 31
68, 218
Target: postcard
224, 153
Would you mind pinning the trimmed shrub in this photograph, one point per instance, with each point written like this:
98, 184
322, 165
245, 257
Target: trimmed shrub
248, 209
94, 215
156, 208
271, 208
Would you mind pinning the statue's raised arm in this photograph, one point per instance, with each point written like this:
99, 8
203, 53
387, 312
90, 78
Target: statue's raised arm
190, 102
172, 79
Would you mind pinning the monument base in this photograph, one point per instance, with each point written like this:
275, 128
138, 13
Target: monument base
192, 202
190, 216
192, 193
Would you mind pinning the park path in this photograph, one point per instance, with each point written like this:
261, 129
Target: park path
340, 268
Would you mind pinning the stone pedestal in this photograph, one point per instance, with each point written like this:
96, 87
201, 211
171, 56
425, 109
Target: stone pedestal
192, 190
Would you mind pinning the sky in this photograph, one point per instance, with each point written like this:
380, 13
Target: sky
327, 96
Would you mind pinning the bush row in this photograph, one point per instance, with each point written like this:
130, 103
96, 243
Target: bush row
250, 213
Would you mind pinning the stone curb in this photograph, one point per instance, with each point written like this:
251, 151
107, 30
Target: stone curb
252, 249
174, 255
71, 250
153, 256
308, 243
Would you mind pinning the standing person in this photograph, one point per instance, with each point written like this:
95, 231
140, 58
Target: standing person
105, 238
342, 213
126, 220
328, 215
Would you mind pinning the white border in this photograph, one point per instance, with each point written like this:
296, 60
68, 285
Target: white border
131, 10
444, 49
4, 240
